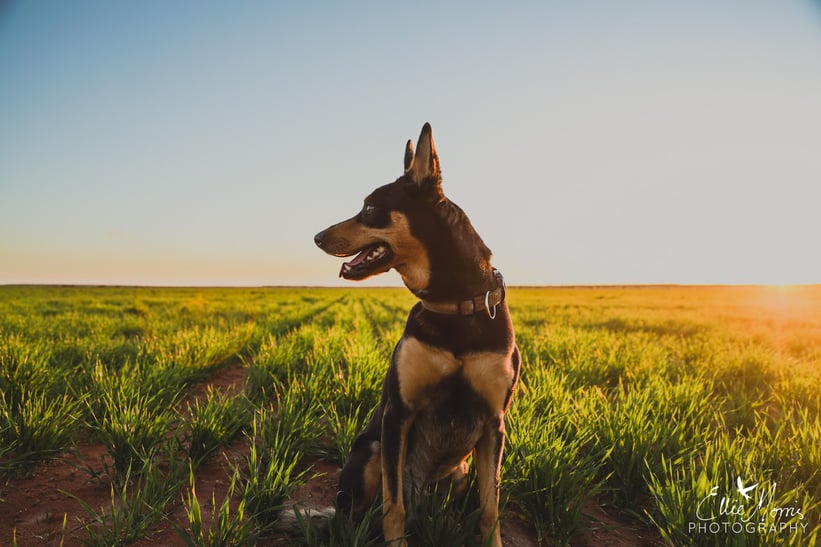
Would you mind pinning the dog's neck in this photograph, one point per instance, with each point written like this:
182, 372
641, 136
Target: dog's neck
459, 261
462, 287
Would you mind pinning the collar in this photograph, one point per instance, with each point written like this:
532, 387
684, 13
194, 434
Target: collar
487, 301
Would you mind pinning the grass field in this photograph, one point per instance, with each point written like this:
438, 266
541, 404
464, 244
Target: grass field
692, 415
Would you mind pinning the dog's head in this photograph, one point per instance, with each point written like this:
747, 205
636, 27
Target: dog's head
389, 230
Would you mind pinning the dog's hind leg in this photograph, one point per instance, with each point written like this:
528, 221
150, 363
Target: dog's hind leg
396, 423
488, 456
359, 481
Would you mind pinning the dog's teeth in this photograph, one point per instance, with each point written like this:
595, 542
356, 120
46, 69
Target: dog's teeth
346, 267
375, 253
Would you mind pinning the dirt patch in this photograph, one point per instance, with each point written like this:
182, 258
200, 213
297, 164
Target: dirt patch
606, 528
229, 380
35, 506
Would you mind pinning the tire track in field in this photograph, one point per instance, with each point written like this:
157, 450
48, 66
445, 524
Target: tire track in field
213, 477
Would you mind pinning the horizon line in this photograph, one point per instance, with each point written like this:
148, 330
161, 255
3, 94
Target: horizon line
399, 287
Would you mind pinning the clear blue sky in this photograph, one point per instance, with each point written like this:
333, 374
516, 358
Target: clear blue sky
590, 142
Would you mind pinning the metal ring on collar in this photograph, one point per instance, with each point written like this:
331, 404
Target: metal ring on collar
487, 306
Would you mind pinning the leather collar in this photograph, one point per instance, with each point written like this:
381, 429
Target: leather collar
487, 301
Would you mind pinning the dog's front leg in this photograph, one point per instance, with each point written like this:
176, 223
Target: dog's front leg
396, 423
488, 457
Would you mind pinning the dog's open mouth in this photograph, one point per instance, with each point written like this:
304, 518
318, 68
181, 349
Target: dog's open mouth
367, 262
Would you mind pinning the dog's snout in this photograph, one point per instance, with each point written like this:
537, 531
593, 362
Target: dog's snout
318, 239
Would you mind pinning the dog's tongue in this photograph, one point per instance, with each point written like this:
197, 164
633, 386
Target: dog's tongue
366, 255
358, 259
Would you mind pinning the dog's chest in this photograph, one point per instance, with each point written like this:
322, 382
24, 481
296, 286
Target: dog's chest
433, 377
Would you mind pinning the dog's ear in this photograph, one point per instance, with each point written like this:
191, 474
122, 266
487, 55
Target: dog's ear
408, 155
425, 164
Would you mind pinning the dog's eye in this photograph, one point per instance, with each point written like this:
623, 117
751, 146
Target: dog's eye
368, 209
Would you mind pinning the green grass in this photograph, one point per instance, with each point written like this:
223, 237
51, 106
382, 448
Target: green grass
227, 526
37, 415
551, 467
139, 500
645, 400
212, 422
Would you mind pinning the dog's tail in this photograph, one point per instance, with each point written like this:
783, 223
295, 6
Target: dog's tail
293, 519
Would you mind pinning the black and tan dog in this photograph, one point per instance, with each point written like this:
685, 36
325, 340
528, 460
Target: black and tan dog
456, 367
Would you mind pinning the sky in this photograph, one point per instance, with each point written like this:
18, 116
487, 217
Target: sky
597, 142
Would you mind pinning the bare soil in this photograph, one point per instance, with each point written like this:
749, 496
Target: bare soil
33, 508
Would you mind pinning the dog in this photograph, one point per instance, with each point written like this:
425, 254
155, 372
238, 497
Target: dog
455, 369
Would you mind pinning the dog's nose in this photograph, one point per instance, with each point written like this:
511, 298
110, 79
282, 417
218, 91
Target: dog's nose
318, 239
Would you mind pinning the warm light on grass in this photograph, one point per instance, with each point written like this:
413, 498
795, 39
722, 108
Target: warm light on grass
641, 399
